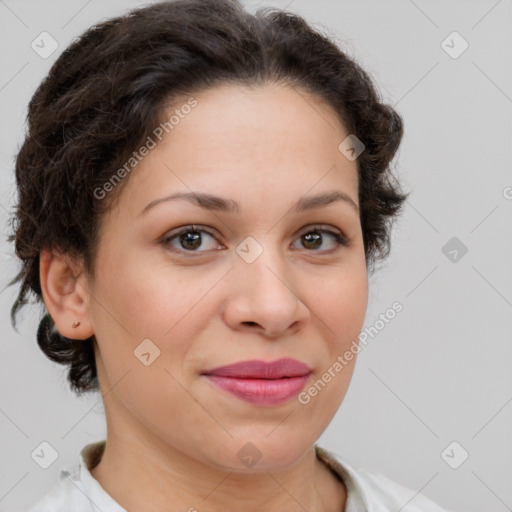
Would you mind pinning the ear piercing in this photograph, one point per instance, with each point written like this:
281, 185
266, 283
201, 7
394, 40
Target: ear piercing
76, 324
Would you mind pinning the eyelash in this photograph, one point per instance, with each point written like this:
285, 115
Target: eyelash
341, 239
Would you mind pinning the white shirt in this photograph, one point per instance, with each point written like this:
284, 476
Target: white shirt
78, 491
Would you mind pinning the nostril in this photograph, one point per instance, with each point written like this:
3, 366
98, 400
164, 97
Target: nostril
250, 323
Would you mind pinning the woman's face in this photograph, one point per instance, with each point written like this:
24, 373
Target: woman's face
263, 281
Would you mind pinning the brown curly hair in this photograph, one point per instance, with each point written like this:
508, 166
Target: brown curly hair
106, 93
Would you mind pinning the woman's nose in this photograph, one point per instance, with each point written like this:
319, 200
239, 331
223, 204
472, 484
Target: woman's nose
265, 295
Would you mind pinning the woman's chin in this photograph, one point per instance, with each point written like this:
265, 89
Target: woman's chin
259, 455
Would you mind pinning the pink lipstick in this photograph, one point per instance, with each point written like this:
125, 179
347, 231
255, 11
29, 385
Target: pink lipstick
259, 382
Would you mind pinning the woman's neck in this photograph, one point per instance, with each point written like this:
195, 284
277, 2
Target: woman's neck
141, 479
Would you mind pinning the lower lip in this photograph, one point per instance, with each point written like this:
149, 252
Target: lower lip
261, 391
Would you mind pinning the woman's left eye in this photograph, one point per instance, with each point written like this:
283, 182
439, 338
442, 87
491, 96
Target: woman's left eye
190, 239
315, 237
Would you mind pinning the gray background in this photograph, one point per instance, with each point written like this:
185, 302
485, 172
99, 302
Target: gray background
440, 371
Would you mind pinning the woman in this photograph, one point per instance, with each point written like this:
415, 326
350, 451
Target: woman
202, 194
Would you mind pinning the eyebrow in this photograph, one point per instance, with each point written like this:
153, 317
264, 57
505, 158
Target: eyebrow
211, 202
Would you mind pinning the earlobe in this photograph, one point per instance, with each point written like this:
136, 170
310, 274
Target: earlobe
65, 294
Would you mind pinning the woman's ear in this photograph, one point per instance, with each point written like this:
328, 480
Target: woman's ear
66, 294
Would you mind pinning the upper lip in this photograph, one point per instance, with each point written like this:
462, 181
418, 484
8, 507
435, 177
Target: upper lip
257, 369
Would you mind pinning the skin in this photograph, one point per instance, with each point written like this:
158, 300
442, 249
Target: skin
264, 147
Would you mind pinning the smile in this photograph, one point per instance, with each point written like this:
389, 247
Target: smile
261, 391
260, 382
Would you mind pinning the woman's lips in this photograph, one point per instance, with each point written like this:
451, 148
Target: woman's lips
261, 391
259, 382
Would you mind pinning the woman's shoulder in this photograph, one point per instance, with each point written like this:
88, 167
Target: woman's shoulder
367, 491
66, 494
370, 491
76, 489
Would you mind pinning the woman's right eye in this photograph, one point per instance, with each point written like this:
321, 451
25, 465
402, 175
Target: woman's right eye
190, 239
